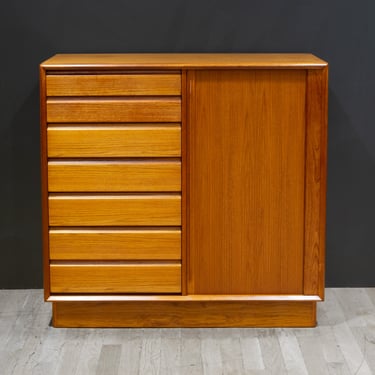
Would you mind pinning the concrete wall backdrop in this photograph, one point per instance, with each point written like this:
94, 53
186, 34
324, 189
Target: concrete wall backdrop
339, 31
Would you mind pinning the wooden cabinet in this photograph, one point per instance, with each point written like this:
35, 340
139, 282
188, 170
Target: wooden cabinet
184, 189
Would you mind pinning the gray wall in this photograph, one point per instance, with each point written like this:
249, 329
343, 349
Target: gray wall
339, 31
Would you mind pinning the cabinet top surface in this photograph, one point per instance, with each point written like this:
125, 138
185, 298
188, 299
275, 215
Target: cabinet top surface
183, 60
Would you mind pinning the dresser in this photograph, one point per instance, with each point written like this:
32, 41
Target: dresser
183, 190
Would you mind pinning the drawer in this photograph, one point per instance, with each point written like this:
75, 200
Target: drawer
113, 85
114, 176
114, 210
114, 141
162, 109
115, 278
115, 244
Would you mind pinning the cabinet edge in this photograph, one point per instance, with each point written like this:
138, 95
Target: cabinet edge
183, 299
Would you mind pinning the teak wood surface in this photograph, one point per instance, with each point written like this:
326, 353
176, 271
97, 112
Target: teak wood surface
139, 61
44, 180
115, 278
155, 109
315, 182
115, 210
180, 314
115, 244
98, 141
114, 176
184, 189
114, 85
246, 181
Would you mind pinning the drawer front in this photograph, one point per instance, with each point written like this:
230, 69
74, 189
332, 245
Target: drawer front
115, 244
114, 141
114, 210
115, 278
130, 176
114, 85
114, 110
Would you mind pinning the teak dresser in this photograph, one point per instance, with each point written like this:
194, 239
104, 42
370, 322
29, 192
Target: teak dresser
184, 190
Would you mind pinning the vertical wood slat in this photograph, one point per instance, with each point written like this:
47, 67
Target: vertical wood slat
184, 232
190, 116
44, 180
315, 181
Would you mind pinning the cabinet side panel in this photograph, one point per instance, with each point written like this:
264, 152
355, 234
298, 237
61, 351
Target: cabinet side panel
44, 180
246, 181
316, 169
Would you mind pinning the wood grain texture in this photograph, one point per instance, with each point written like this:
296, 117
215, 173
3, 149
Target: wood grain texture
175, 314
182, 61
316, 170
170, 351
184, 204
114, 176
114, 141
44, 180
150, 356
114, 210
251, 350
162, 109
115, 244
188, 298
115, 278
109, 360
114, 85
246, 181
291, 353
272, 358
17, 339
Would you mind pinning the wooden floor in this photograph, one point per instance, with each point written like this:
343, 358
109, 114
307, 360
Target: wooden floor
343, 343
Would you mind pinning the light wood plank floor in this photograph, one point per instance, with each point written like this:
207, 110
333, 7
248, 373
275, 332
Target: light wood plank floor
343, 343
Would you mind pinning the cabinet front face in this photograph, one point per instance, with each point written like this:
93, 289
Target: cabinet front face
246, 168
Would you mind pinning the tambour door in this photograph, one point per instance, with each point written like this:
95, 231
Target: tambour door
246, 186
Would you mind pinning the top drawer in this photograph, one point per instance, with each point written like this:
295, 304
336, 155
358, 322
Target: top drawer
114, 85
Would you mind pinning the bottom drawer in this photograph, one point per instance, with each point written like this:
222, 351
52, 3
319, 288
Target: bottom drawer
115, 278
